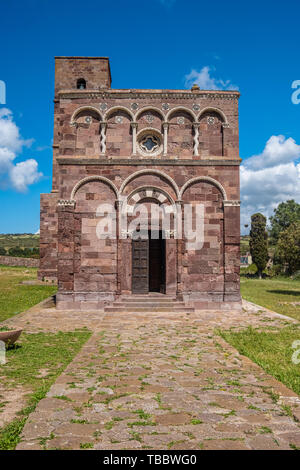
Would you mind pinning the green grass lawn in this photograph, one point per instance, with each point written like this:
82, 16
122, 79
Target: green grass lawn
34, 363
15, 297
37, 359
271, 350
277, 294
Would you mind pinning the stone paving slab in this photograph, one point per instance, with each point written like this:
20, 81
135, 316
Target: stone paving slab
161, 381
45, 317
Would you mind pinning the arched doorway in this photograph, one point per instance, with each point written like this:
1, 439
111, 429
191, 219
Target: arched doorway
149, 264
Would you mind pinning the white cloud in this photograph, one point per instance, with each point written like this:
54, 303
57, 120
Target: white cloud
25, 173
20, 175
206, 82
270, 178
278, 150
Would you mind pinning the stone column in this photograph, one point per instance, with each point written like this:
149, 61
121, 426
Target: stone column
196, 138
103, 125
66, 249
232, 251
165, 128
134, 126
119, 246
180, 248
126, 265
171, 265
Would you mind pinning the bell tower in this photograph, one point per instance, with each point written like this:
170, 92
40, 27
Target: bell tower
91, 73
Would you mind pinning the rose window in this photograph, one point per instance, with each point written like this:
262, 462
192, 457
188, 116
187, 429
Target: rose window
149, 144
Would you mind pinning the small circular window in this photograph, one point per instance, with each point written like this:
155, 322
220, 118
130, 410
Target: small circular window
149, 143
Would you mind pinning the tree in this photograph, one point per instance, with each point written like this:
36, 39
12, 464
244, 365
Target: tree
285, 214
288, 247
259, 242
16, 251
27, 252
2, 251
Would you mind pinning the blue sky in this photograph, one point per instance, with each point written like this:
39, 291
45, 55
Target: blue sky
152, 44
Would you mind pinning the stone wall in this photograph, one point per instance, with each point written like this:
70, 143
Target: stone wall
95, 71
48, 237
16, 261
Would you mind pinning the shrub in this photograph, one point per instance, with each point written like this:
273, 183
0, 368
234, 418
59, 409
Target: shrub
289, 248
274, 270
16, 251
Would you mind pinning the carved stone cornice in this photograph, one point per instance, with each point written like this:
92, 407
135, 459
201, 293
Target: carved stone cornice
232, 203
66, 203
133, 161
159, 95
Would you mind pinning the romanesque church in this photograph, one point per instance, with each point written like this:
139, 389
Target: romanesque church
124, 148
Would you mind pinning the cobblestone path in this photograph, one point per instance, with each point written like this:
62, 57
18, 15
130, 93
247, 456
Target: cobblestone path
164, 381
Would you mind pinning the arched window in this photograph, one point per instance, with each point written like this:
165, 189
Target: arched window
81, 84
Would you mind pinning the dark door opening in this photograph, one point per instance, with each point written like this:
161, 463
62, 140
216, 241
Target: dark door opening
157, 264
148, 265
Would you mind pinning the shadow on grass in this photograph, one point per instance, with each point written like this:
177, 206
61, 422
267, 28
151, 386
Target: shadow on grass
285, 292
13, 347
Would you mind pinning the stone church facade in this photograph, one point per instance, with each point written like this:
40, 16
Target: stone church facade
175, 148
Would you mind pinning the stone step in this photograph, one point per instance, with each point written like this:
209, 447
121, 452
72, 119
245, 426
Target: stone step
151, 304
135, 309
133, 313
146, 299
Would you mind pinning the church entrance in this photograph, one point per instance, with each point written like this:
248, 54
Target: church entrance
149, 265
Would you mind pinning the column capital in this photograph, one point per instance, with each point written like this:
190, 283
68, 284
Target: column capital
134, 125
180, 202
126, 233
170, 233
165, 125
118, 204
225, 125
196, 125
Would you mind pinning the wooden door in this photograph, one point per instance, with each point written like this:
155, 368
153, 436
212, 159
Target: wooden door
140, 266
